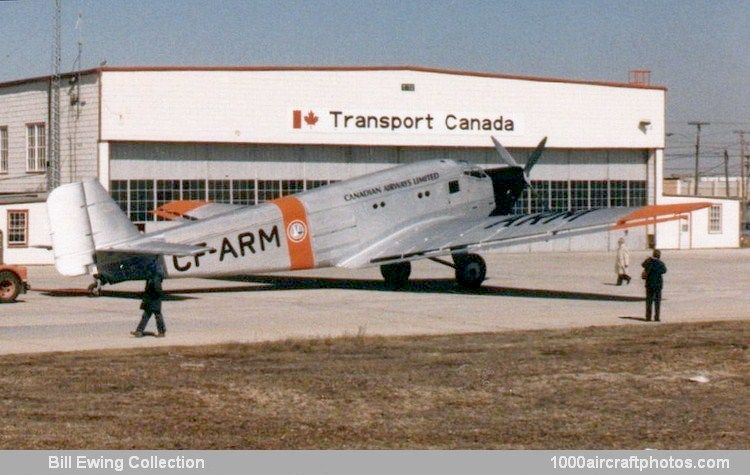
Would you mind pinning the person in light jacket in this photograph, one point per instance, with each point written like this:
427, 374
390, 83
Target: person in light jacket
622, 262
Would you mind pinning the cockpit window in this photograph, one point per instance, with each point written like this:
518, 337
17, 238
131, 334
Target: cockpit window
475, 173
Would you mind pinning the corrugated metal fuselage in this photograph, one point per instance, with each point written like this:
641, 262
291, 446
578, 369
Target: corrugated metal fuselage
319, 228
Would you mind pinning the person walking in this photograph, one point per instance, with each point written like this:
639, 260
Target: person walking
622, 262
653, 270
151, 305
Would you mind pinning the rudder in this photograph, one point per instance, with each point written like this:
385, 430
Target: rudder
83, 218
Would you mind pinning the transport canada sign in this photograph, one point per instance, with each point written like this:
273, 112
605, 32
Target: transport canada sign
347, 121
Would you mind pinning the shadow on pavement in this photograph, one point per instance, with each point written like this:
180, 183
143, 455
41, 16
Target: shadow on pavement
444, 286
269, 283
639, 319
123, 294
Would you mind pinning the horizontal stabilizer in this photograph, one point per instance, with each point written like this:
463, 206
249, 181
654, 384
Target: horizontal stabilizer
193, 210
157, 247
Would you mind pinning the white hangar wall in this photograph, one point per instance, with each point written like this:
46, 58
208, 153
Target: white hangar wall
255, 106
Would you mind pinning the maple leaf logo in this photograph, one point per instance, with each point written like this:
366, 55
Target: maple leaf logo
311, 119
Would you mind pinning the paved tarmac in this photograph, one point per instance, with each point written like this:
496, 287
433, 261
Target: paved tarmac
523, 291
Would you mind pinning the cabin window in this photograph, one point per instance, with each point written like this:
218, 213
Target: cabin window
453, 186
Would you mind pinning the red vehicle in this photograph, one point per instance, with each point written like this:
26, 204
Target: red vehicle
12, 282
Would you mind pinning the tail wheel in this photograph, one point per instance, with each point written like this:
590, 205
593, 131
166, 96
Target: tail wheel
470, 270
10, 286
95, 289
396, 275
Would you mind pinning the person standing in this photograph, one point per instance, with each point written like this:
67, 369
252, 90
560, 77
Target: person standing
622, 262
653, 270
151, 305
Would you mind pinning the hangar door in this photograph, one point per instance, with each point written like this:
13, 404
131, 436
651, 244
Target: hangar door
146, 175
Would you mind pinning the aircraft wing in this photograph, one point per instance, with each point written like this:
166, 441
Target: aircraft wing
440, 237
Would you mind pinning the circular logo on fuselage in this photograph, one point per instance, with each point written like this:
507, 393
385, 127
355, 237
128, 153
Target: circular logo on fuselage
297, 231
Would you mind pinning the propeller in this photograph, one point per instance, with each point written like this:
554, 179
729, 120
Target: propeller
509, 182
504, 154
506, 157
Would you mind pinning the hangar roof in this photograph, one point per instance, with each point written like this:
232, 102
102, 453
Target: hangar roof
423, 69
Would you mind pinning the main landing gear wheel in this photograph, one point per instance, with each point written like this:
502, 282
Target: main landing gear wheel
396, 275
10, 286
470, 270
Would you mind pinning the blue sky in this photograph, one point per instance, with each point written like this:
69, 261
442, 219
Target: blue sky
700, 50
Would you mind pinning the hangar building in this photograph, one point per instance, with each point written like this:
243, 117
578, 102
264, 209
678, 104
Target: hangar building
251, 134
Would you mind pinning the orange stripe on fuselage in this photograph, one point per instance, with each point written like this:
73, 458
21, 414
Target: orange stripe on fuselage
298, 242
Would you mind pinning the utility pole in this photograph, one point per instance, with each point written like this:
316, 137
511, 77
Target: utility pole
744, 175
726, 171
697, 151
53, 161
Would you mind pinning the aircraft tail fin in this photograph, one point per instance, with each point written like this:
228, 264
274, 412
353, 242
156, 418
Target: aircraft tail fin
82, 218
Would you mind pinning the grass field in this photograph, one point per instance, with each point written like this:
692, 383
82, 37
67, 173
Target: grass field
606, 387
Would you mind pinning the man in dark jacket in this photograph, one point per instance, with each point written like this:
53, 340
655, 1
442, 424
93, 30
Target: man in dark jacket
151, 305
653, 270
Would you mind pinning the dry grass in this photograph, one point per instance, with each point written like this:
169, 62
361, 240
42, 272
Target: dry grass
619, 387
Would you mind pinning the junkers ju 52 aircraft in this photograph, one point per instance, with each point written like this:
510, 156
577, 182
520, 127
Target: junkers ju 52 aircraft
426, 210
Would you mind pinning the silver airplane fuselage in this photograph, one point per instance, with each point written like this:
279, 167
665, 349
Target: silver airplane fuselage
317, 228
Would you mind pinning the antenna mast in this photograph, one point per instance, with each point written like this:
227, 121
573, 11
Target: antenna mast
53, 161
